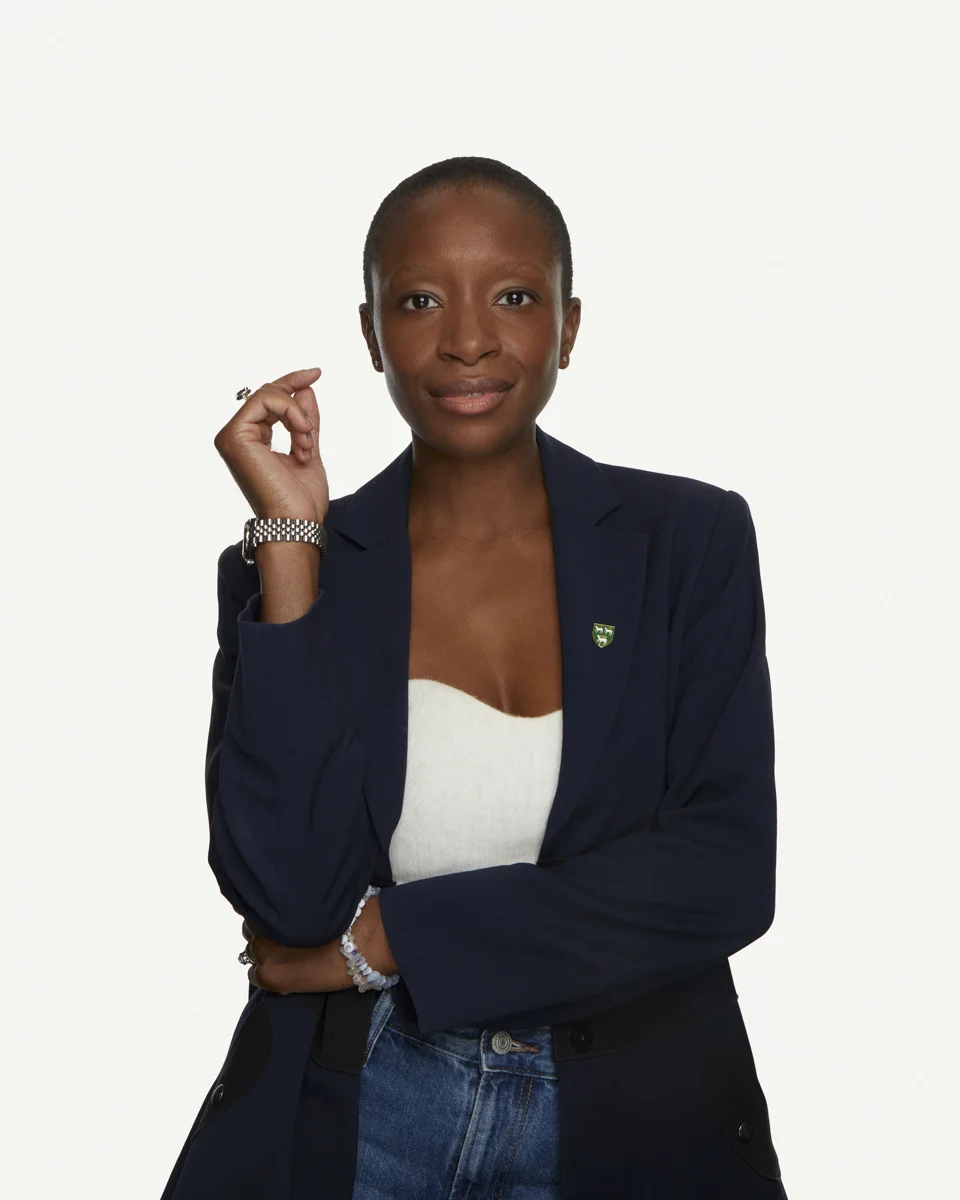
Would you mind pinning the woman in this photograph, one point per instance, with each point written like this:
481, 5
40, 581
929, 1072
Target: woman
551, 997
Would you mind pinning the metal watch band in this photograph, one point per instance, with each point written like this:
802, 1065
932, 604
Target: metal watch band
257, 530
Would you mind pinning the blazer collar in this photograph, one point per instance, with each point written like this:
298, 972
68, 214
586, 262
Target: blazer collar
600, 563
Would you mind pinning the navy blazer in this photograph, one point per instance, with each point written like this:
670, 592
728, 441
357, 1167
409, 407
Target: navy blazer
657, 863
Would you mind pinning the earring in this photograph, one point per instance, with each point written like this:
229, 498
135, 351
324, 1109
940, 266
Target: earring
564, 359
376, 364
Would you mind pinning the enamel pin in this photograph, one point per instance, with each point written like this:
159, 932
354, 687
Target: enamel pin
603, 634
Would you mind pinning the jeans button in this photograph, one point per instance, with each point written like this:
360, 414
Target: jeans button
501, 1042
581, 1037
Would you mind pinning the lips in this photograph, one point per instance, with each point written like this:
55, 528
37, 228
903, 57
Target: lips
481, 385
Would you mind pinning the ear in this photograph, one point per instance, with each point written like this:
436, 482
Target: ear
571, 323
368, 331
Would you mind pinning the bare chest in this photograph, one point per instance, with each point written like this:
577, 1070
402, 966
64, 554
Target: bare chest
487, 623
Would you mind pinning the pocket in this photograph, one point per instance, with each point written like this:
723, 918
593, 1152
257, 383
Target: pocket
246, 1059
732, 1091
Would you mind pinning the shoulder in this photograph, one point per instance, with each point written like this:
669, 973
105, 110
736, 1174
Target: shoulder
658, 489
678, 506
700, 534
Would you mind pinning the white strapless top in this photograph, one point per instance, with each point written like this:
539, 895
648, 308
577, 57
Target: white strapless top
479, 784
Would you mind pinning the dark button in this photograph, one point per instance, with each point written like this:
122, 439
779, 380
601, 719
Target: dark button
217, 1094
581, 1037
745, 1132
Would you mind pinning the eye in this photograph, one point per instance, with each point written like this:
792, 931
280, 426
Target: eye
416, 296
517, 292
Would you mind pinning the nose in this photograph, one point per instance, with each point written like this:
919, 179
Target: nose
468, 332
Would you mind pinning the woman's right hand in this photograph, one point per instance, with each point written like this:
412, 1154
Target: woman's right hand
274, 483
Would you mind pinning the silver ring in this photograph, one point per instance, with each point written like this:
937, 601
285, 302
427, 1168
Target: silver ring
245, 958
243, 394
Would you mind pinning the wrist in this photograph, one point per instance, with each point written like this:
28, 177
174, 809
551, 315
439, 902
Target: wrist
363, 971
332, 972
370, 938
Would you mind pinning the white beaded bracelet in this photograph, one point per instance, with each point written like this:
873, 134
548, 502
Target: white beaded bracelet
362, 974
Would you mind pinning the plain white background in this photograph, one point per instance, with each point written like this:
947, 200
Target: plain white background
762, 199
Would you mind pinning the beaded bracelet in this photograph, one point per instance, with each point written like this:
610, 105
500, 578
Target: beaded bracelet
362, 974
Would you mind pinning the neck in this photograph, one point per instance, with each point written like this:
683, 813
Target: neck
487, 498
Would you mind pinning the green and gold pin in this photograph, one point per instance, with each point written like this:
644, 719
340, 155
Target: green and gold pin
603, 634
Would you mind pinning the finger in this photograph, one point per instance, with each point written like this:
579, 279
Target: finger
284, 969
272, 977
300, 454
306, 397
297, 379
269, 404
308, 404
303, 444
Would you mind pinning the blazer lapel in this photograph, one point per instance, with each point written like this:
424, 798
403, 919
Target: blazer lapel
600, 562
600, 573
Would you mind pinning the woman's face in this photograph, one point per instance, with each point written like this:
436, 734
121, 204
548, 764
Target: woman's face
468, 289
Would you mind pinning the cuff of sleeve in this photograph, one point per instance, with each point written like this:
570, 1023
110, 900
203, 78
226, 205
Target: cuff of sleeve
401, 913
283, 658
250, 614
447, 987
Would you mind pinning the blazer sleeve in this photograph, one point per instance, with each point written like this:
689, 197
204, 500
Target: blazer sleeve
649, 907
292, 845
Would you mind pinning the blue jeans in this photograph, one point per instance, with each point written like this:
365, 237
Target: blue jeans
466, 1112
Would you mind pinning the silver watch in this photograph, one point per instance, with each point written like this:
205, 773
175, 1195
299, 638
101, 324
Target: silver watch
257, 530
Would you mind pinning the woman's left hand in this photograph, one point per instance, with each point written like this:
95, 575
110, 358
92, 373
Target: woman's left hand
286, 969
